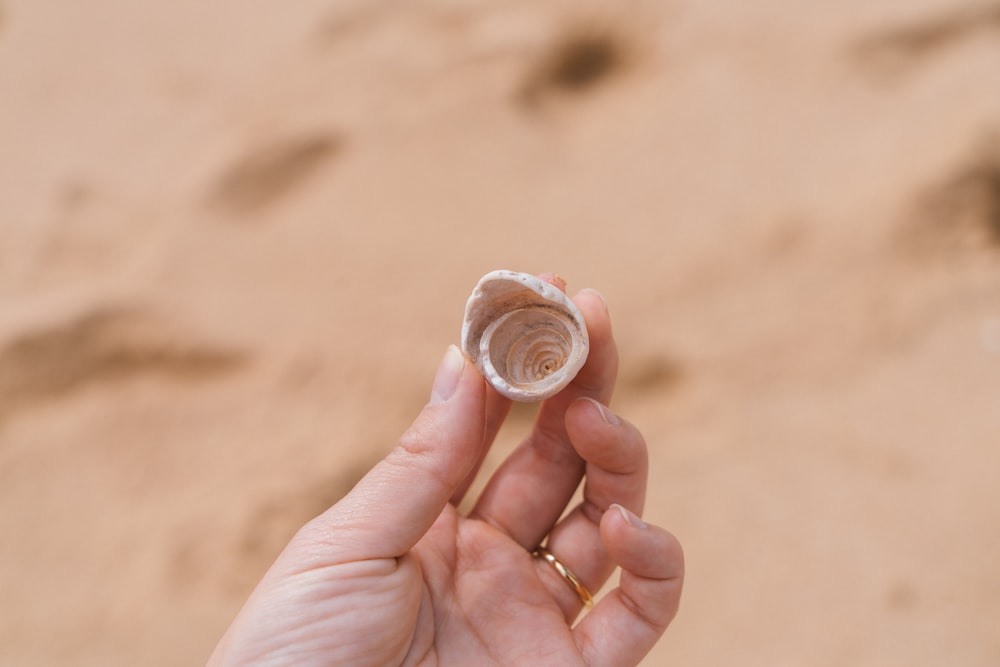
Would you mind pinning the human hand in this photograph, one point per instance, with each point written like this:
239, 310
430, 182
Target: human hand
393, 574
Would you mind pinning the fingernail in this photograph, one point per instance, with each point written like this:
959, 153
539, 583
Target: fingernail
447, 376
609, 417
630, 518
590, 290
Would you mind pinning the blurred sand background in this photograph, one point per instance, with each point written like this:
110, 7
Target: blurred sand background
236, 238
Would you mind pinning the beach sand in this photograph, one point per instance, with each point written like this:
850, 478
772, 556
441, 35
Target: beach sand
236, 238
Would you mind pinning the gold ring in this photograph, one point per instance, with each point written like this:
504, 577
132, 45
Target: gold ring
567, 574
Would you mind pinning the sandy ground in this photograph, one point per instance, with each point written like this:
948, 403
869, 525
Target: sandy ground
235, 239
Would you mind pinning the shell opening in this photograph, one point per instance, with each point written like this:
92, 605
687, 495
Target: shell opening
525, 336
528, 345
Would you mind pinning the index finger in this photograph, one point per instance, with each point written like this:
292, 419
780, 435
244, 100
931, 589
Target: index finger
399, 499
529, 491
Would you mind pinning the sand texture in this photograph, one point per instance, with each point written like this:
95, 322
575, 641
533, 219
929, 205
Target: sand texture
236, 238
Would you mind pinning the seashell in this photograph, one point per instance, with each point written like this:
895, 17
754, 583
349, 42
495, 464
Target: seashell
526, 337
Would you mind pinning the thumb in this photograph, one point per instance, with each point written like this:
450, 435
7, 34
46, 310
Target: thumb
392, 507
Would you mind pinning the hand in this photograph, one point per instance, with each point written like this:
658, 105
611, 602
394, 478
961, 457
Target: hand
393, 574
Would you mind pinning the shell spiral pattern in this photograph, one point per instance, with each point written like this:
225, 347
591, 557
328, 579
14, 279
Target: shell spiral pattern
526, 337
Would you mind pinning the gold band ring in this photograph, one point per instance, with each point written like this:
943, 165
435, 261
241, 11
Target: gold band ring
567, 574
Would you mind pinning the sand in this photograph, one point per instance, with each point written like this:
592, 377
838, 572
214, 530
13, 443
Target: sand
236, 239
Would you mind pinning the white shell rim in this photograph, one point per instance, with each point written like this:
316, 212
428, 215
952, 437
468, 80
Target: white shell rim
499, 292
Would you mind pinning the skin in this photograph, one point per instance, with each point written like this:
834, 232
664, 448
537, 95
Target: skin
393, 574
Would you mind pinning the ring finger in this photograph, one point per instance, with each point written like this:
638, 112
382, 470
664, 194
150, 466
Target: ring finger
616, 471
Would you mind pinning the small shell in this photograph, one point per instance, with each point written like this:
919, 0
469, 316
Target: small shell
526, 337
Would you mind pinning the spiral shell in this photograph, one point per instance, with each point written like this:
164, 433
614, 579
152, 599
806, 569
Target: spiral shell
526, 337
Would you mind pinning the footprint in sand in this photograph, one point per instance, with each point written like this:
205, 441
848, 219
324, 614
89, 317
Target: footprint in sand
651, 374
579, 61
237, 555
102, 346
268, 174
962, 212
895, 51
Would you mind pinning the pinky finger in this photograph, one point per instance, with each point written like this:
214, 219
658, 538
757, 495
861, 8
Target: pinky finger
627, 622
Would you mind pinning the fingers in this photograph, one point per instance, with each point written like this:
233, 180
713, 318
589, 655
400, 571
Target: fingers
626, 623
616, 472
531, 488
497, 409
597, 377
392, 507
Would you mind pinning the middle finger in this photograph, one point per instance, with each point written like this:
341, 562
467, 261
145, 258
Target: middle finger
530, 490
